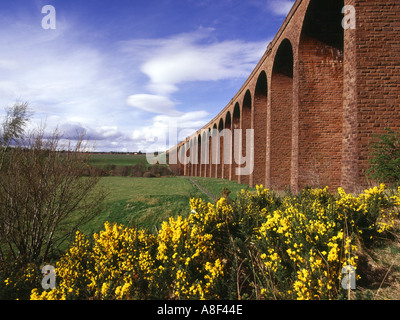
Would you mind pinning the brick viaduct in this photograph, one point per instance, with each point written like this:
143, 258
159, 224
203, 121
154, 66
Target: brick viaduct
314, 100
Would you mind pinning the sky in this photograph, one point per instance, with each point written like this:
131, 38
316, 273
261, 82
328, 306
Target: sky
127, 71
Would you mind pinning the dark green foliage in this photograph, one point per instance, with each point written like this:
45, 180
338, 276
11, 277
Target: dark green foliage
385, 158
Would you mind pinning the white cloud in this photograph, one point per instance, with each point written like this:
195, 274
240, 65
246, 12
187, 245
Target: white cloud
280, 7
193, 56
56, 73
152, 103
166, 131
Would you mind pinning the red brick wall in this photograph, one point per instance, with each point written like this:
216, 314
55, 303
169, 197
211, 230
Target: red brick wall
235, 125
260, 130
221, 150
215, 147
245, 124
281, 130
281, 117
228, 145
378, 72
320, 114
349, 169
325, 100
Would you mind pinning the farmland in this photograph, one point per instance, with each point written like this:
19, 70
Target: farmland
146, 202
103, 159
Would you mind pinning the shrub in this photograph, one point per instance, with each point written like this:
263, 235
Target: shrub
17, 279
149, 175
138, 170
159, 170
260, 246
41, 188
385, 158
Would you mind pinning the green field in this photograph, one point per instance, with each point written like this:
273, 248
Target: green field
146, 202
215, 186
101, 160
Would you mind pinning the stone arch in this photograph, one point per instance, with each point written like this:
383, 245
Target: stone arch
195, 158
189, 153
227, 164
209, 165
281, 116
235, 141
260, 129
320, 110
214, 151
199, 152
220, 164
180, 155
185, 164
246, 125
204, 153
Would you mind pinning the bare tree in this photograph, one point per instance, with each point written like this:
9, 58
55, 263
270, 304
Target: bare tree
44, 195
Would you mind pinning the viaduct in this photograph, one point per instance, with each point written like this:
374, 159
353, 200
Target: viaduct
320, 92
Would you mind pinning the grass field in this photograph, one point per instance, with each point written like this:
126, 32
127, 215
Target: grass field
146, 202
215, 186
142, 201
100, 160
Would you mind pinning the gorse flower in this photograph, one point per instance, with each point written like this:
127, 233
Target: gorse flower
259, 246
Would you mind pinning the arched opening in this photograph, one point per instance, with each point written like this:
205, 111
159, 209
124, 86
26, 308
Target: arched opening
184, 160
260, 129
194, 153
204, 153
228, 146
236, 147
181, 154
247, 150
281, 117
190, 155
214, 151
209, 165
199, 162
221, 149
321, 95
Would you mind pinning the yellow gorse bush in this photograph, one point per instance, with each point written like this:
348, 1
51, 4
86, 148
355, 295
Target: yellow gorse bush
118, 261
260, 246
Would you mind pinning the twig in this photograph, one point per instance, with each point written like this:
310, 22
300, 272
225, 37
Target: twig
384, 278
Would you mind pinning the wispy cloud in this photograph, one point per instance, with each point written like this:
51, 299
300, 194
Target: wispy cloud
56, 73
152, 103
280, 7
70, 84
194, 56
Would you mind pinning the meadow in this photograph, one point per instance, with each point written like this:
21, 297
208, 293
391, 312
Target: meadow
147, 202
103, 159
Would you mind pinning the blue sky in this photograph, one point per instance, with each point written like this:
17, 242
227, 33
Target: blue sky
123, 70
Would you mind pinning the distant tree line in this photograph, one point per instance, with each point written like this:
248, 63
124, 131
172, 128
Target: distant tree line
139, 170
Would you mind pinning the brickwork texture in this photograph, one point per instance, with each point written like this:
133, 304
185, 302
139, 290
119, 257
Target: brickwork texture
315, 100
